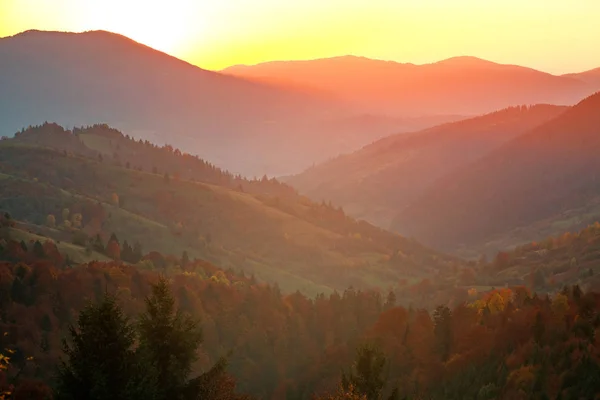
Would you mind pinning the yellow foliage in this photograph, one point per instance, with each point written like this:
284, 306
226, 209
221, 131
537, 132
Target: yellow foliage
76, 220
522, 377
496, 303
51, 221
560, 304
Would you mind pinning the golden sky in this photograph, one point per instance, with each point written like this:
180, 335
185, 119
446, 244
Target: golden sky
551, 35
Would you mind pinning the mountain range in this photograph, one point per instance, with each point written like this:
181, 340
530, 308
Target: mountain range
248, 122
381, 179
547, 174
459, 85
100, 77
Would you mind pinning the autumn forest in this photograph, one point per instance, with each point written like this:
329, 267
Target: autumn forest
324, 229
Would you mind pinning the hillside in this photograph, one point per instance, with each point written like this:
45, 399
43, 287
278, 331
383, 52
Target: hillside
544, 174
379, 180
502, 344
100, 77
460, 85
256, 226
591, 77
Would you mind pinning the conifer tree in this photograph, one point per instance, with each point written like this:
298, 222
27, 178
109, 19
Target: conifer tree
169, 340
100, 361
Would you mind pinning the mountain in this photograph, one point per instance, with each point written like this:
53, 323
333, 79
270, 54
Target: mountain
245, 126
75, 186
379, 180
457, 86
591, 77
548, 176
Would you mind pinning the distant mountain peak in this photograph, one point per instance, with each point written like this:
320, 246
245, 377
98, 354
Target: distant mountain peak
466, 61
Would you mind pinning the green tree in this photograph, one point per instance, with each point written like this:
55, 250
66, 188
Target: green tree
169, 340
185, 259
38, 250
442, 317
366, 375
100, 360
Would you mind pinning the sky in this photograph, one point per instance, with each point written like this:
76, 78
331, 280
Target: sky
557, 36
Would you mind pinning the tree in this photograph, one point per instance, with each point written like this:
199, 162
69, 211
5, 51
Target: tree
115, 199
51, 221
97, 244
113, 237
442, 317
390, 301
65, 214
366, 375
168, 339
38, 250
113, 250
76, 220
185, 259
349, 393
100, 360
137, 252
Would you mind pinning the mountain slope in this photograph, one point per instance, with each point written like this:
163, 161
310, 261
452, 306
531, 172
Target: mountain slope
461, 85
378, 181
100, 77
280, 238
542, 174
591, 77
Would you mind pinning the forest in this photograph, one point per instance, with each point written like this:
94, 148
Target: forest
68, 330
113, 270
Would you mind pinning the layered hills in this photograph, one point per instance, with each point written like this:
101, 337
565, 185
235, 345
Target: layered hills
380, 180
456, 86
546, 178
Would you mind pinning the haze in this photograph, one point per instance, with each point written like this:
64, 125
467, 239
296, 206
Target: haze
556, 36
299, 200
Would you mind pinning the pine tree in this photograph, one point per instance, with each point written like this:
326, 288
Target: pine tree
100, 361
97, 244
127, 252
442, 317
168, 340
185, 259
38, 250
137, 252
366, 376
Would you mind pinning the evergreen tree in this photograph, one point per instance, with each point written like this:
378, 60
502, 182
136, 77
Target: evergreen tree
127, 252
113, 237
38, 250
390, 302
366, 376
185, 259
100, 360
137, 252
97, 244
442, 317
168, 340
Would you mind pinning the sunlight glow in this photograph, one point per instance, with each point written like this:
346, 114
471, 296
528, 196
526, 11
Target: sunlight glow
552, 35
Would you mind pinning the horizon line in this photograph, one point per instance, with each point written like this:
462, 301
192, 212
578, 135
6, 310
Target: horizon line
347, 55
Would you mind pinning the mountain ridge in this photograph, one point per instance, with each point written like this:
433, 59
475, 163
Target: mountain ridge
457, 85
541, 174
